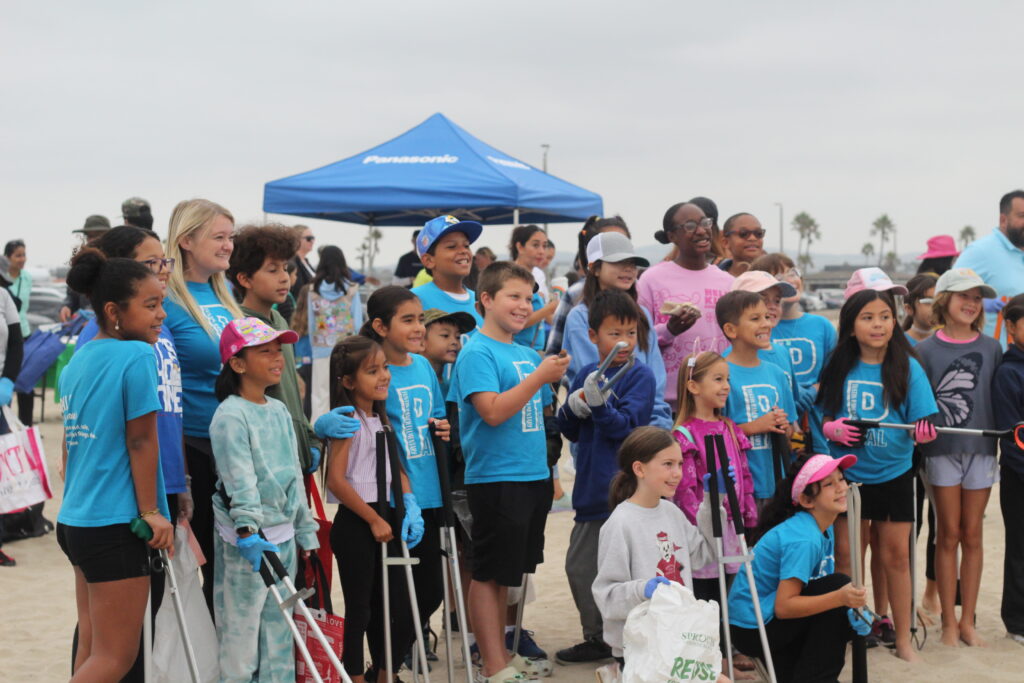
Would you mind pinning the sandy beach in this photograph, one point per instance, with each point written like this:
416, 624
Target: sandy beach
38, 609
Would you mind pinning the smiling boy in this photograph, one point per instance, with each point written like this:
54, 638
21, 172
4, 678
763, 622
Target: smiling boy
444, 249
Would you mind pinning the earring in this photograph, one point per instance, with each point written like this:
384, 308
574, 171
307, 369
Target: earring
117, 325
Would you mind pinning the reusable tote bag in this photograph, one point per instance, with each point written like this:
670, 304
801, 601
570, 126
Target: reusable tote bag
23, 477
671, 637
330, 320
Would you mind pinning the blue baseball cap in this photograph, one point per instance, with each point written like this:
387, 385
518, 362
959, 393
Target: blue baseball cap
436, 228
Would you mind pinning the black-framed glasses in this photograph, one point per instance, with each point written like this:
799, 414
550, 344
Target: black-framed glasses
746, 233
159, 264
691, 226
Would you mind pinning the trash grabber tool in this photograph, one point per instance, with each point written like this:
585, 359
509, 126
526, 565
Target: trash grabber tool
179, 613
859, 643
285, 605
990, 433
450, 562
520, 607
716, 527
782, 455
406, 560
746, 558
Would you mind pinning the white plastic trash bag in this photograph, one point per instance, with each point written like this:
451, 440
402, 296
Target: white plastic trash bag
170, 665
672, 637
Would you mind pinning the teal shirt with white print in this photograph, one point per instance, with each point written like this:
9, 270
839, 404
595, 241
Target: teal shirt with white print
254, 449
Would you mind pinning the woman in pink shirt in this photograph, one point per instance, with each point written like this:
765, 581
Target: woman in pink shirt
687, 279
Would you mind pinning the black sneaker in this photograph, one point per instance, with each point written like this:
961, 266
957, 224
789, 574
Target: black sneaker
590, 650
6, 560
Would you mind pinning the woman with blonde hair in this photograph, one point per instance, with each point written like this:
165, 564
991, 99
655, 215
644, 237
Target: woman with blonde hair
199, 305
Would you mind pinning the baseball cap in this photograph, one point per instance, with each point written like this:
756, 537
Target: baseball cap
244, 332
962, 279
871, 278
613, 247
462, 320
133, 207
817, 468
939, 246
436, 228
758, 281
94, 223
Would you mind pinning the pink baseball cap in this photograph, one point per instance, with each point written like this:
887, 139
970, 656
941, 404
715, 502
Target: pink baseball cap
758, 281
817, 468
244, 332
871, 278
939, 246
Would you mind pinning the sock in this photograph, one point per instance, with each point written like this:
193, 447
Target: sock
472, 639
510, 629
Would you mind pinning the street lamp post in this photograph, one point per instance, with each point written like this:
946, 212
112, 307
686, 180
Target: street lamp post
781, 230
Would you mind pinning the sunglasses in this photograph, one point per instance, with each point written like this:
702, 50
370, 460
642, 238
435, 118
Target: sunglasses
309, 238
691, 226
158, 264
744, 233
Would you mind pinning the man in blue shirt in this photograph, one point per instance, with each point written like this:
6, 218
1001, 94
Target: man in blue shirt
999, 257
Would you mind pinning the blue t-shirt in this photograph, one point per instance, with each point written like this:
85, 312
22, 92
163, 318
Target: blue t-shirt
433, 296
199, 355
106, 384
533, 336
754, 392
168, 420
1000, 265
887, 452
515, 450
809, 339
795, 549
414, 397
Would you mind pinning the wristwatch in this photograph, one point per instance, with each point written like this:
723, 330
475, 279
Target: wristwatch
245, 530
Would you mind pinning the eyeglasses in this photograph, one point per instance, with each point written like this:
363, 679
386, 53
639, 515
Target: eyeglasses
745, 233
158, 264
927, 300
791, 274
309, 238
691, 226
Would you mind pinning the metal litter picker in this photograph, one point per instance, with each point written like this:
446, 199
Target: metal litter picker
859, 643
714, 447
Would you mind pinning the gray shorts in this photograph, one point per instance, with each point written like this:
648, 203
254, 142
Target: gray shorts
970, 472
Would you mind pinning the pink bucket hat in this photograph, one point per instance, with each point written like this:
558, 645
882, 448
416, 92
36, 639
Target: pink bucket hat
817, 468
244, 332
758, 281
871, 278
939, 246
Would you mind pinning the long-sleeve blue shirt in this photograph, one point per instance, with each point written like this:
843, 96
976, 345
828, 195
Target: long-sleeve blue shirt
600, 435
582, 351
1008, 405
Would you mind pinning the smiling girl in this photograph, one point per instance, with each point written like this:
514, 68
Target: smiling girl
527, 248
960, 362
688, 279
872, 375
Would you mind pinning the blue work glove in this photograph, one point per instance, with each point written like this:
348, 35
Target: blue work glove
314, 463
721, 479
337, 424
994, 305
6, 391
412, 525
861, 627
653, 584
252, 547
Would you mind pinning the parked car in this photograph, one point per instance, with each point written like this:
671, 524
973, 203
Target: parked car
833, 298
44, 306
811, 302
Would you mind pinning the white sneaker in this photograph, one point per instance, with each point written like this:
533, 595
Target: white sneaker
507, 675
1015, 637
532, 666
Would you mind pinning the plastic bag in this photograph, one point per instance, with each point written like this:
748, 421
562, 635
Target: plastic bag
170, 665
672, 637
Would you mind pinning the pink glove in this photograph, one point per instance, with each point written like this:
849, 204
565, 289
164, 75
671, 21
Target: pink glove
843, 433
924, 431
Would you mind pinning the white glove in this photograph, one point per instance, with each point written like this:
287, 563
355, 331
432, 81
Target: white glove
578, 405
704, 521
592, 391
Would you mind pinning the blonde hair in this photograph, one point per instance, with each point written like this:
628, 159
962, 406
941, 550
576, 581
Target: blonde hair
190, 217
940, 312
703, 361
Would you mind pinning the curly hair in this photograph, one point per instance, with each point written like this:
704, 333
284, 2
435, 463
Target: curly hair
254, 244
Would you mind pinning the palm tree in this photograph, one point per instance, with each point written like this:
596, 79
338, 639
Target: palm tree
868, 250
369, 249
966, 235
892, 262
882, 227
807, 228
804, 261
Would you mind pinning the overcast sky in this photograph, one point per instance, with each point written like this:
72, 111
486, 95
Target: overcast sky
844, 111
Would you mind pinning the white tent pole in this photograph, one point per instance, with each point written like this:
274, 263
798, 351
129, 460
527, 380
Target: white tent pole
515, 217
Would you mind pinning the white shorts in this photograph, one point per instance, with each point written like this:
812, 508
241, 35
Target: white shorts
970, 472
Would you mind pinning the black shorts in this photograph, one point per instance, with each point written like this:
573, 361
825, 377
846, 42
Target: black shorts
104, 553
508, 528
890, 501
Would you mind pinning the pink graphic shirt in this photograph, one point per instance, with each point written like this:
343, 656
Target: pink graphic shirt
668, 281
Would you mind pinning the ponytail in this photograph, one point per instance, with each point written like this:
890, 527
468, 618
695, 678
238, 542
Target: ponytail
640, 446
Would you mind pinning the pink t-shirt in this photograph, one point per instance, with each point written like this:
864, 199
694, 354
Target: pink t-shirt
668, 281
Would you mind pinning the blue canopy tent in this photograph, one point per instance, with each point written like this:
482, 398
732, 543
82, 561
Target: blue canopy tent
432, 169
